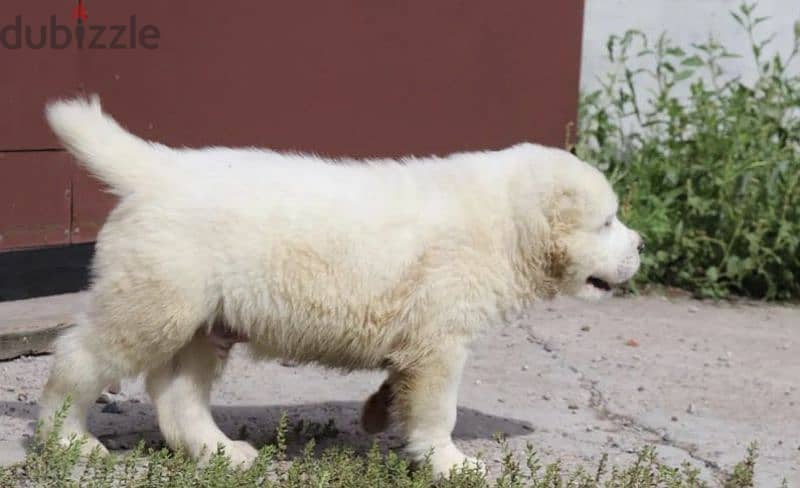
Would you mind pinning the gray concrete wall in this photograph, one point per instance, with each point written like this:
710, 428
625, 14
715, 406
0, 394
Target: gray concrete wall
685, 21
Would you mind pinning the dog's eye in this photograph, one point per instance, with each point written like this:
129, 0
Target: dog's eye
608, 222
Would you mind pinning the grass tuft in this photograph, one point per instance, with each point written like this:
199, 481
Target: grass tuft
53, 464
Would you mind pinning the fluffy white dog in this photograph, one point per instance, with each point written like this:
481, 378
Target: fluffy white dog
378, 264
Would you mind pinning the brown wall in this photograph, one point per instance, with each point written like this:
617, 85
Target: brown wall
359, 78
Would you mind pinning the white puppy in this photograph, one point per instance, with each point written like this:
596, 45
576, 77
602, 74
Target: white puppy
379, 264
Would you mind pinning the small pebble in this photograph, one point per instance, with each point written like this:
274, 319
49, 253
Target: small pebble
23, 397
525, 367
586, 328
632, 343
693, 309
546, 397
690, 408
674, 418
477, 382
640, 389
572, 406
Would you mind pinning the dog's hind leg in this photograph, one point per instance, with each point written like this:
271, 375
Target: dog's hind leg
181, 391
126, 332
79, 373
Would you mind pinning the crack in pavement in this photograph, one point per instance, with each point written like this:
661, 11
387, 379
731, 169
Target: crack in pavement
599, 404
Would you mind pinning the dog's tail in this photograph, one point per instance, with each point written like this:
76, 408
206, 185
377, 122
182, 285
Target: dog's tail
123, 161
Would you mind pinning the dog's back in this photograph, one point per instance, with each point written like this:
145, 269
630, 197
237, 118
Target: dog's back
312, 259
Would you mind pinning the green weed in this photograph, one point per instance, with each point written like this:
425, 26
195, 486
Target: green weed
51, 464
707, 165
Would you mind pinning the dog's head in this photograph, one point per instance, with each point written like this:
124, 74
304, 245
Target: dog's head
586, 249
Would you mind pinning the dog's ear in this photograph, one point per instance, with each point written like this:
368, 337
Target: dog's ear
548, 259
543, 258
563, 208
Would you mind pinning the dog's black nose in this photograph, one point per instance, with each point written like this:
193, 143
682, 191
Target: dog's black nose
640, 247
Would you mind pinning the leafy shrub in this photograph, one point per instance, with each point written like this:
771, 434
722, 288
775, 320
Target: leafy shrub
710, 176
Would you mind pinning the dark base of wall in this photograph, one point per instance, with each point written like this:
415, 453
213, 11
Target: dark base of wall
42, 272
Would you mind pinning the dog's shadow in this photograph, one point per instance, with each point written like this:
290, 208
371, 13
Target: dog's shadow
125, 424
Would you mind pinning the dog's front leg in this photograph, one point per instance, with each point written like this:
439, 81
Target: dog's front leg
424, 400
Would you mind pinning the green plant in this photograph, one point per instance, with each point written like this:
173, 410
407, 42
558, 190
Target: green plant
707, 165
743, 472
52, 464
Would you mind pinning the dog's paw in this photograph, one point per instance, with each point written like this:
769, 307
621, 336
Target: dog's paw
242, 454
450, 458
476, 464
89, 444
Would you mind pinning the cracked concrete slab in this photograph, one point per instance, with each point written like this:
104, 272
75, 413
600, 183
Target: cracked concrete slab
576, 380
706, 379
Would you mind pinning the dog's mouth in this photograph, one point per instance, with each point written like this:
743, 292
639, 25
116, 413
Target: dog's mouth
598, 283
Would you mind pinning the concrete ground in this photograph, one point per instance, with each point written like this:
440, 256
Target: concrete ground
699, 381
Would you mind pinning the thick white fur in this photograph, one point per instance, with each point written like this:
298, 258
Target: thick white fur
351, 264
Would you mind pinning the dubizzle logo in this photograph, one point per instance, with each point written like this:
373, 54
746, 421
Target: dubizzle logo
82, 35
